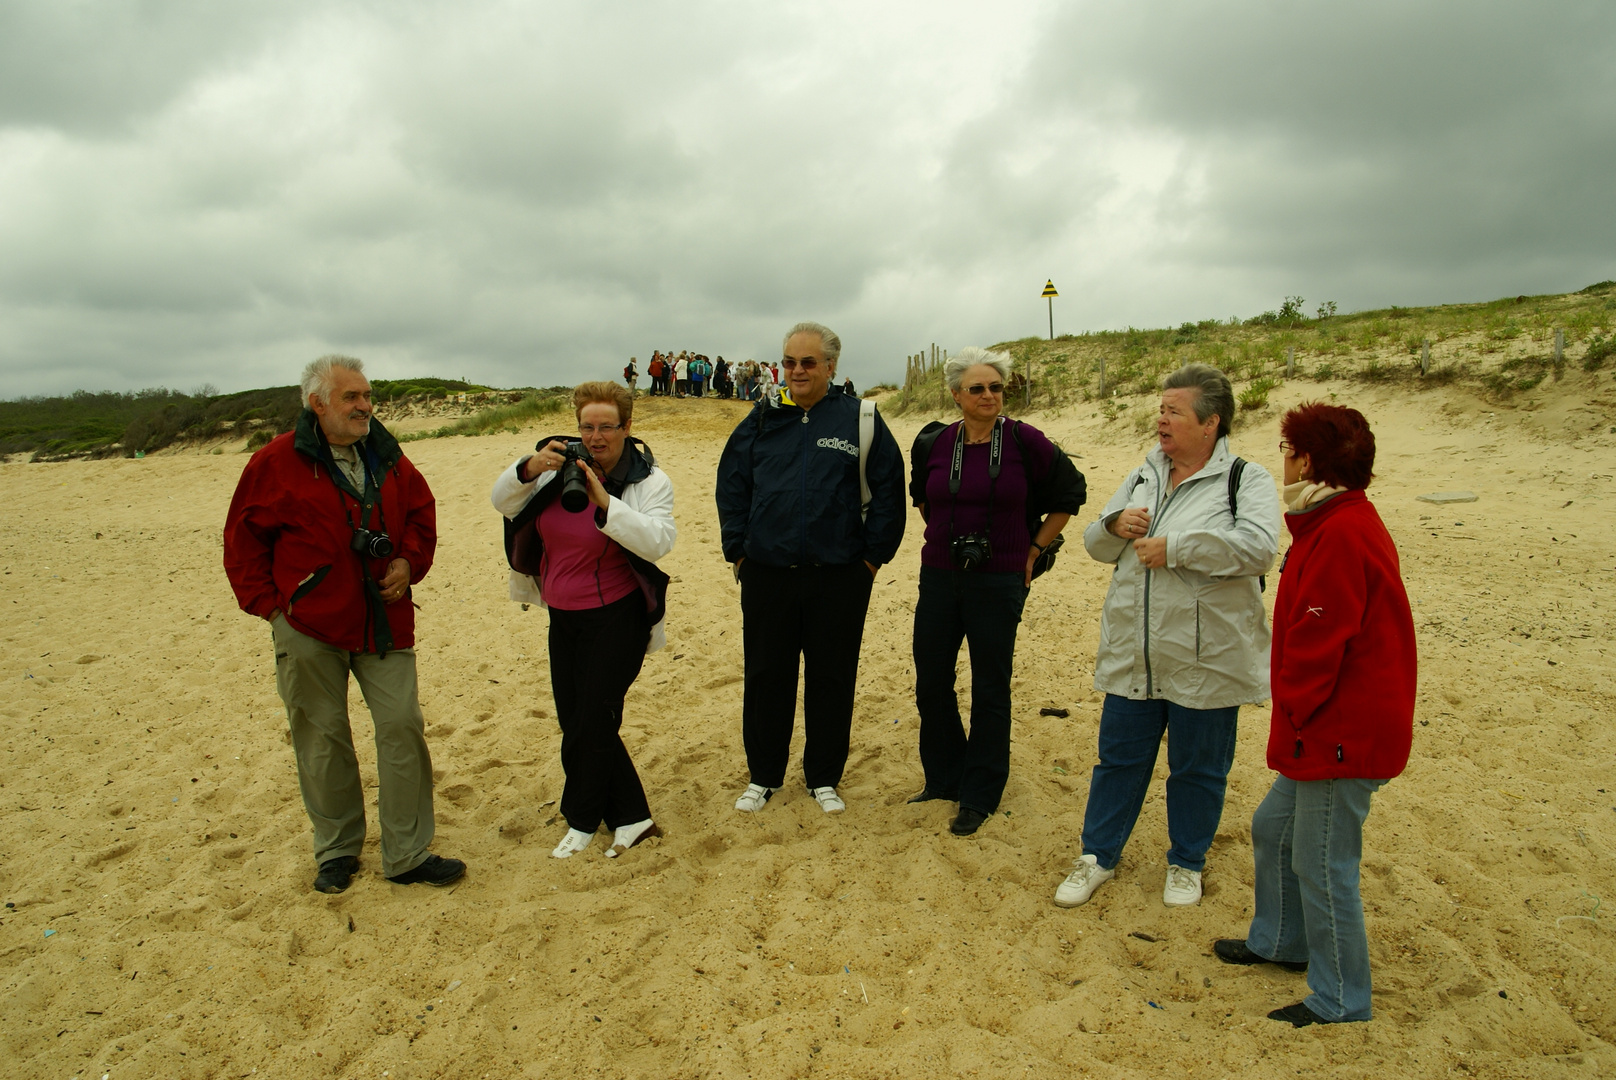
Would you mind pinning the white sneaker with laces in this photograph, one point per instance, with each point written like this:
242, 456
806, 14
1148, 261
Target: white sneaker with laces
753, 798
1081, 882
828, 800
1183, 886
571, 844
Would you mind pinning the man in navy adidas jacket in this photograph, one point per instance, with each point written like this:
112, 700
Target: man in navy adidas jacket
789, 503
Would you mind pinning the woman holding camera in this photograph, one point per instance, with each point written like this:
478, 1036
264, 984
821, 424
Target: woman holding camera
984, 485
1183, 641
586, 520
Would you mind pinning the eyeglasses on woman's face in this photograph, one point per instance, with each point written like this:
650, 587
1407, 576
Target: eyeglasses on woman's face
603, 429
1286, 448
979, 389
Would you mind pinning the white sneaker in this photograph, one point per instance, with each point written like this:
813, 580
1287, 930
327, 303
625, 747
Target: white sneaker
571, 844
829, 801
1081, 883
753, 798
1183, 886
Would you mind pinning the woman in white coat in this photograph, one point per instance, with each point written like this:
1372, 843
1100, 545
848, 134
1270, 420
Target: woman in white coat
1183, 639
589, 555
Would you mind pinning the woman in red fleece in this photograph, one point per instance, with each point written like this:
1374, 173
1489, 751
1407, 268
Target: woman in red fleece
1343, 670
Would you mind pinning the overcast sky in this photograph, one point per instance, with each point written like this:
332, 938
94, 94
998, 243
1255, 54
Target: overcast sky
210, 191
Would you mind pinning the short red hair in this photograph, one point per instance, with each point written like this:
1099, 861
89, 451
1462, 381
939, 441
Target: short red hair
1337, 440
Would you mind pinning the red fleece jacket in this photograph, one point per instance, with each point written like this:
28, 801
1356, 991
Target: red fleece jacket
286, 541
1344, 661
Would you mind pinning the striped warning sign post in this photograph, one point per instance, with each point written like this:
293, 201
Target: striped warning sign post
1049, 294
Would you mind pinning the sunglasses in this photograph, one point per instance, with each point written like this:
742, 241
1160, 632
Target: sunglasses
992, 388
792, 365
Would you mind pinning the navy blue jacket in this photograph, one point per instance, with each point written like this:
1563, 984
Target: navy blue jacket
788, 487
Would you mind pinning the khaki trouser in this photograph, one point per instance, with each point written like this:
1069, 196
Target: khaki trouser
312, 679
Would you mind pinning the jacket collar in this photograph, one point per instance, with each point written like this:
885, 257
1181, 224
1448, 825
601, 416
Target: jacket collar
309, 440
1300, 524
1222, 457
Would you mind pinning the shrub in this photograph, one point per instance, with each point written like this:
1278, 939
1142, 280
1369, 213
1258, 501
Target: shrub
1599, 350
1255, 396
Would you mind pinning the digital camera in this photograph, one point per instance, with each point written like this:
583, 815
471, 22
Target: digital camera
971, 550
574, 488
378, 545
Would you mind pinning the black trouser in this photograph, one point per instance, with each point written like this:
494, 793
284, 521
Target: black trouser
817, 613
984, 609
595, 656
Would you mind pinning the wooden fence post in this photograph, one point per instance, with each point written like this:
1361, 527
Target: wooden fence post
1425, 356
1559, 347
1102, 375
1290, 361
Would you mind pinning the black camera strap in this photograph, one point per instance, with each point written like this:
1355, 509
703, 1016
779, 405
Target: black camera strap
995, 460
377, 627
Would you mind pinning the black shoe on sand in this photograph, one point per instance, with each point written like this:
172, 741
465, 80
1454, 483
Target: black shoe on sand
436, 870
1234, 951
967, 821
336, 874
1298, 1015
927, 795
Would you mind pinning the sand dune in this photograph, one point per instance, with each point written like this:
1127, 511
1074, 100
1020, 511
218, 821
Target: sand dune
156, 861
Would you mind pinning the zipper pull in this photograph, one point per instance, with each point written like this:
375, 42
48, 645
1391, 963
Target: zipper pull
805, 418
1339, 755
1298, 748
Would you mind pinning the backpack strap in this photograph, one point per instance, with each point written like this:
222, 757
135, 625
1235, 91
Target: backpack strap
1236, 467
866, 437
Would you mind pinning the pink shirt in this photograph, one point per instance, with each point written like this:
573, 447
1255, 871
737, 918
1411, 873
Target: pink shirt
583, 568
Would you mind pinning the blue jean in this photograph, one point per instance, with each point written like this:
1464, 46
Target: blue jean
984, 609
1307, 840
1200, 749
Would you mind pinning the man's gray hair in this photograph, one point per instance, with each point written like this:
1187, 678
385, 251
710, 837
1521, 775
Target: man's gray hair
969, 357
1215, 395
317, 376
828, 341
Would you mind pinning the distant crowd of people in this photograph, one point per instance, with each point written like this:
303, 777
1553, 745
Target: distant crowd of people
695, 375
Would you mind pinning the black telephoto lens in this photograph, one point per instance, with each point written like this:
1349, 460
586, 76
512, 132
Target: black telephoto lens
574, 489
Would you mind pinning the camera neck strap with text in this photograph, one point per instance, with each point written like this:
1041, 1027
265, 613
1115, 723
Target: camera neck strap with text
957, 468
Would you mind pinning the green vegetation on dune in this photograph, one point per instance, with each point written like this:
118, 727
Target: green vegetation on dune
509, 418
1501, 347
85, 424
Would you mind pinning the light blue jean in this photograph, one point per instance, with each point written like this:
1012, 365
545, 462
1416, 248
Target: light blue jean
1307, 840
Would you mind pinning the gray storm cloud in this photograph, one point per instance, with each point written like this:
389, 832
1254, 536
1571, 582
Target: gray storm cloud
204, 192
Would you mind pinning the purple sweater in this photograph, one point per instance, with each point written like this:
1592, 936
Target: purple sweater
1007, 531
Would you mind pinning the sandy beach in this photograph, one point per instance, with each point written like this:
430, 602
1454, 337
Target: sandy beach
156, 860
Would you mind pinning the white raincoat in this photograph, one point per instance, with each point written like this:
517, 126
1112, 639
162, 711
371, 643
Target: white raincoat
1192, 632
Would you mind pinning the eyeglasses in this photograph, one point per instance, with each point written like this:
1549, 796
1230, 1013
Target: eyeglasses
792, 365
992, 388
1285, 447
604, 429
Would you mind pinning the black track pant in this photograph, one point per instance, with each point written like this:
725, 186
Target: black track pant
812, 612
595, 656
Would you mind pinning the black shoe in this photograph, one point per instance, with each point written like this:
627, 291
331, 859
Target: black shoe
927, 795
336, 874
436, 870
967, 822
1234, 951
1298, 1015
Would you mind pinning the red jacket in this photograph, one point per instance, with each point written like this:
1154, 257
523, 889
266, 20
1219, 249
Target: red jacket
1344, 662
287, 539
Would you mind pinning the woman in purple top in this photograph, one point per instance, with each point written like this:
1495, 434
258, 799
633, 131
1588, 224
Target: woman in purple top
984, 486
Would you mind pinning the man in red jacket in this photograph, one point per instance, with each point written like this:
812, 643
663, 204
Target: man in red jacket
329, 527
